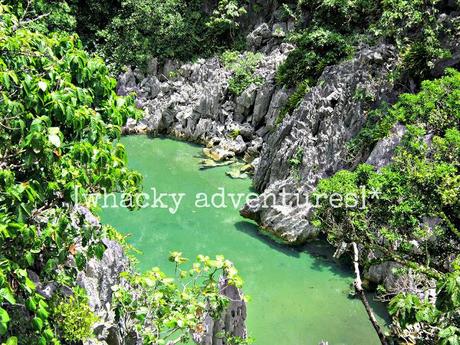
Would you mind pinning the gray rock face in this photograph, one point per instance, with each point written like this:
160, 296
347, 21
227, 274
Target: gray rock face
98, 279
192, 101
383, 152
232, 321
384, 273
317, 132
259, 37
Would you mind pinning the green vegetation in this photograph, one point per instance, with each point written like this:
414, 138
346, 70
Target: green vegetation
293, 101
296, 162
243, 67
316, 49
165, 309
422, 182
434, 108
131, 32
74, 317
59, 117
333, 29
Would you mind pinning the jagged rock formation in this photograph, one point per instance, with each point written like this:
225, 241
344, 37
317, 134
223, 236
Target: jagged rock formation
232, 321
317, 132
383, 151
101, 275
192, 101
98, 279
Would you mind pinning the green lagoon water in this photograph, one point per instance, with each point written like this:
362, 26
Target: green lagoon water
299, 296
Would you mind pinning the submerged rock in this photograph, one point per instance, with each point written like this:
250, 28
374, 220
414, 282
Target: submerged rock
218, 154
209, 163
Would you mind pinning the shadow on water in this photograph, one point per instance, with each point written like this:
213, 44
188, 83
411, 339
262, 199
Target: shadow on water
319, 250
322, 253
253, 230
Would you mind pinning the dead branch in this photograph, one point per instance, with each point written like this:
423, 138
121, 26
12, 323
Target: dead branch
362, 295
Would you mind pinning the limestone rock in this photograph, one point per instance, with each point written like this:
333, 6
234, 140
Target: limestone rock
232, 322
318, 130
197, 106
383, 152
259, 36
97, 279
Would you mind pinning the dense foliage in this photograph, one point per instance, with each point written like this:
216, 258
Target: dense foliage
59, 117
175, 29
132, 32
415, 221
243, 67
316, 49
58, 112
329, 31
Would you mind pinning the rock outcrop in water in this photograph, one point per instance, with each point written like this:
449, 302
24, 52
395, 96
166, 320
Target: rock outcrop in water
315, 135
232, 322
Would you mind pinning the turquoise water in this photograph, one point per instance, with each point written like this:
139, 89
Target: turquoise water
298, 296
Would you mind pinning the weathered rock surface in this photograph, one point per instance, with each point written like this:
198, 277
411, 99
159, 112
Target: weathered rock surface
317, 132
192, 101
383, 151
232, 321
98, 279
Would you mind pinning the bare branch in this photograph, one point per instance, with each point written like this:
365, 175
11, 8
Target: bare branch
362, 295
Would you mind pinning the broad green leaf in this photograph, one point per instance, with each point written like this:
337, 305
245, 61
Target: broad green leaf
12, 341
7, 295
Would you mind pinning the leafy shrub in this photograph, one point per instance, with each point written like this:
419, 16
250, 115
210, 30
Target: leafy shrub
316, 49
166, 310
224, 20
414, 27
172, 29
243, 67
45, 16
435, 108
340, 15
74, 318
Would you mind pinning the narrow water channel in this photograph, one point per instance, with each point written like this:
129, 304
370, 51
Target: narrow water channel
298, 296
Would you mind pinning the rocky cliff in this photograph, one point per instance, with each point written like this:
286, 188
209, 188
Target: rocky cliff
192, 102
316, 134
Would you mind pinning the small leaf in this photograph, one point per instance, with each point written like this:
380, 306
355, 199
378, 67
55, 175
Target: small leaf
42, 85
12, 341
3, 328
38, 323
4, 317
6, 294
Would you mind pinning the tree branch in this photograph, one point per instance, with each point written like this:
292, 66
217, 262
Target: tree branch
362, 295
